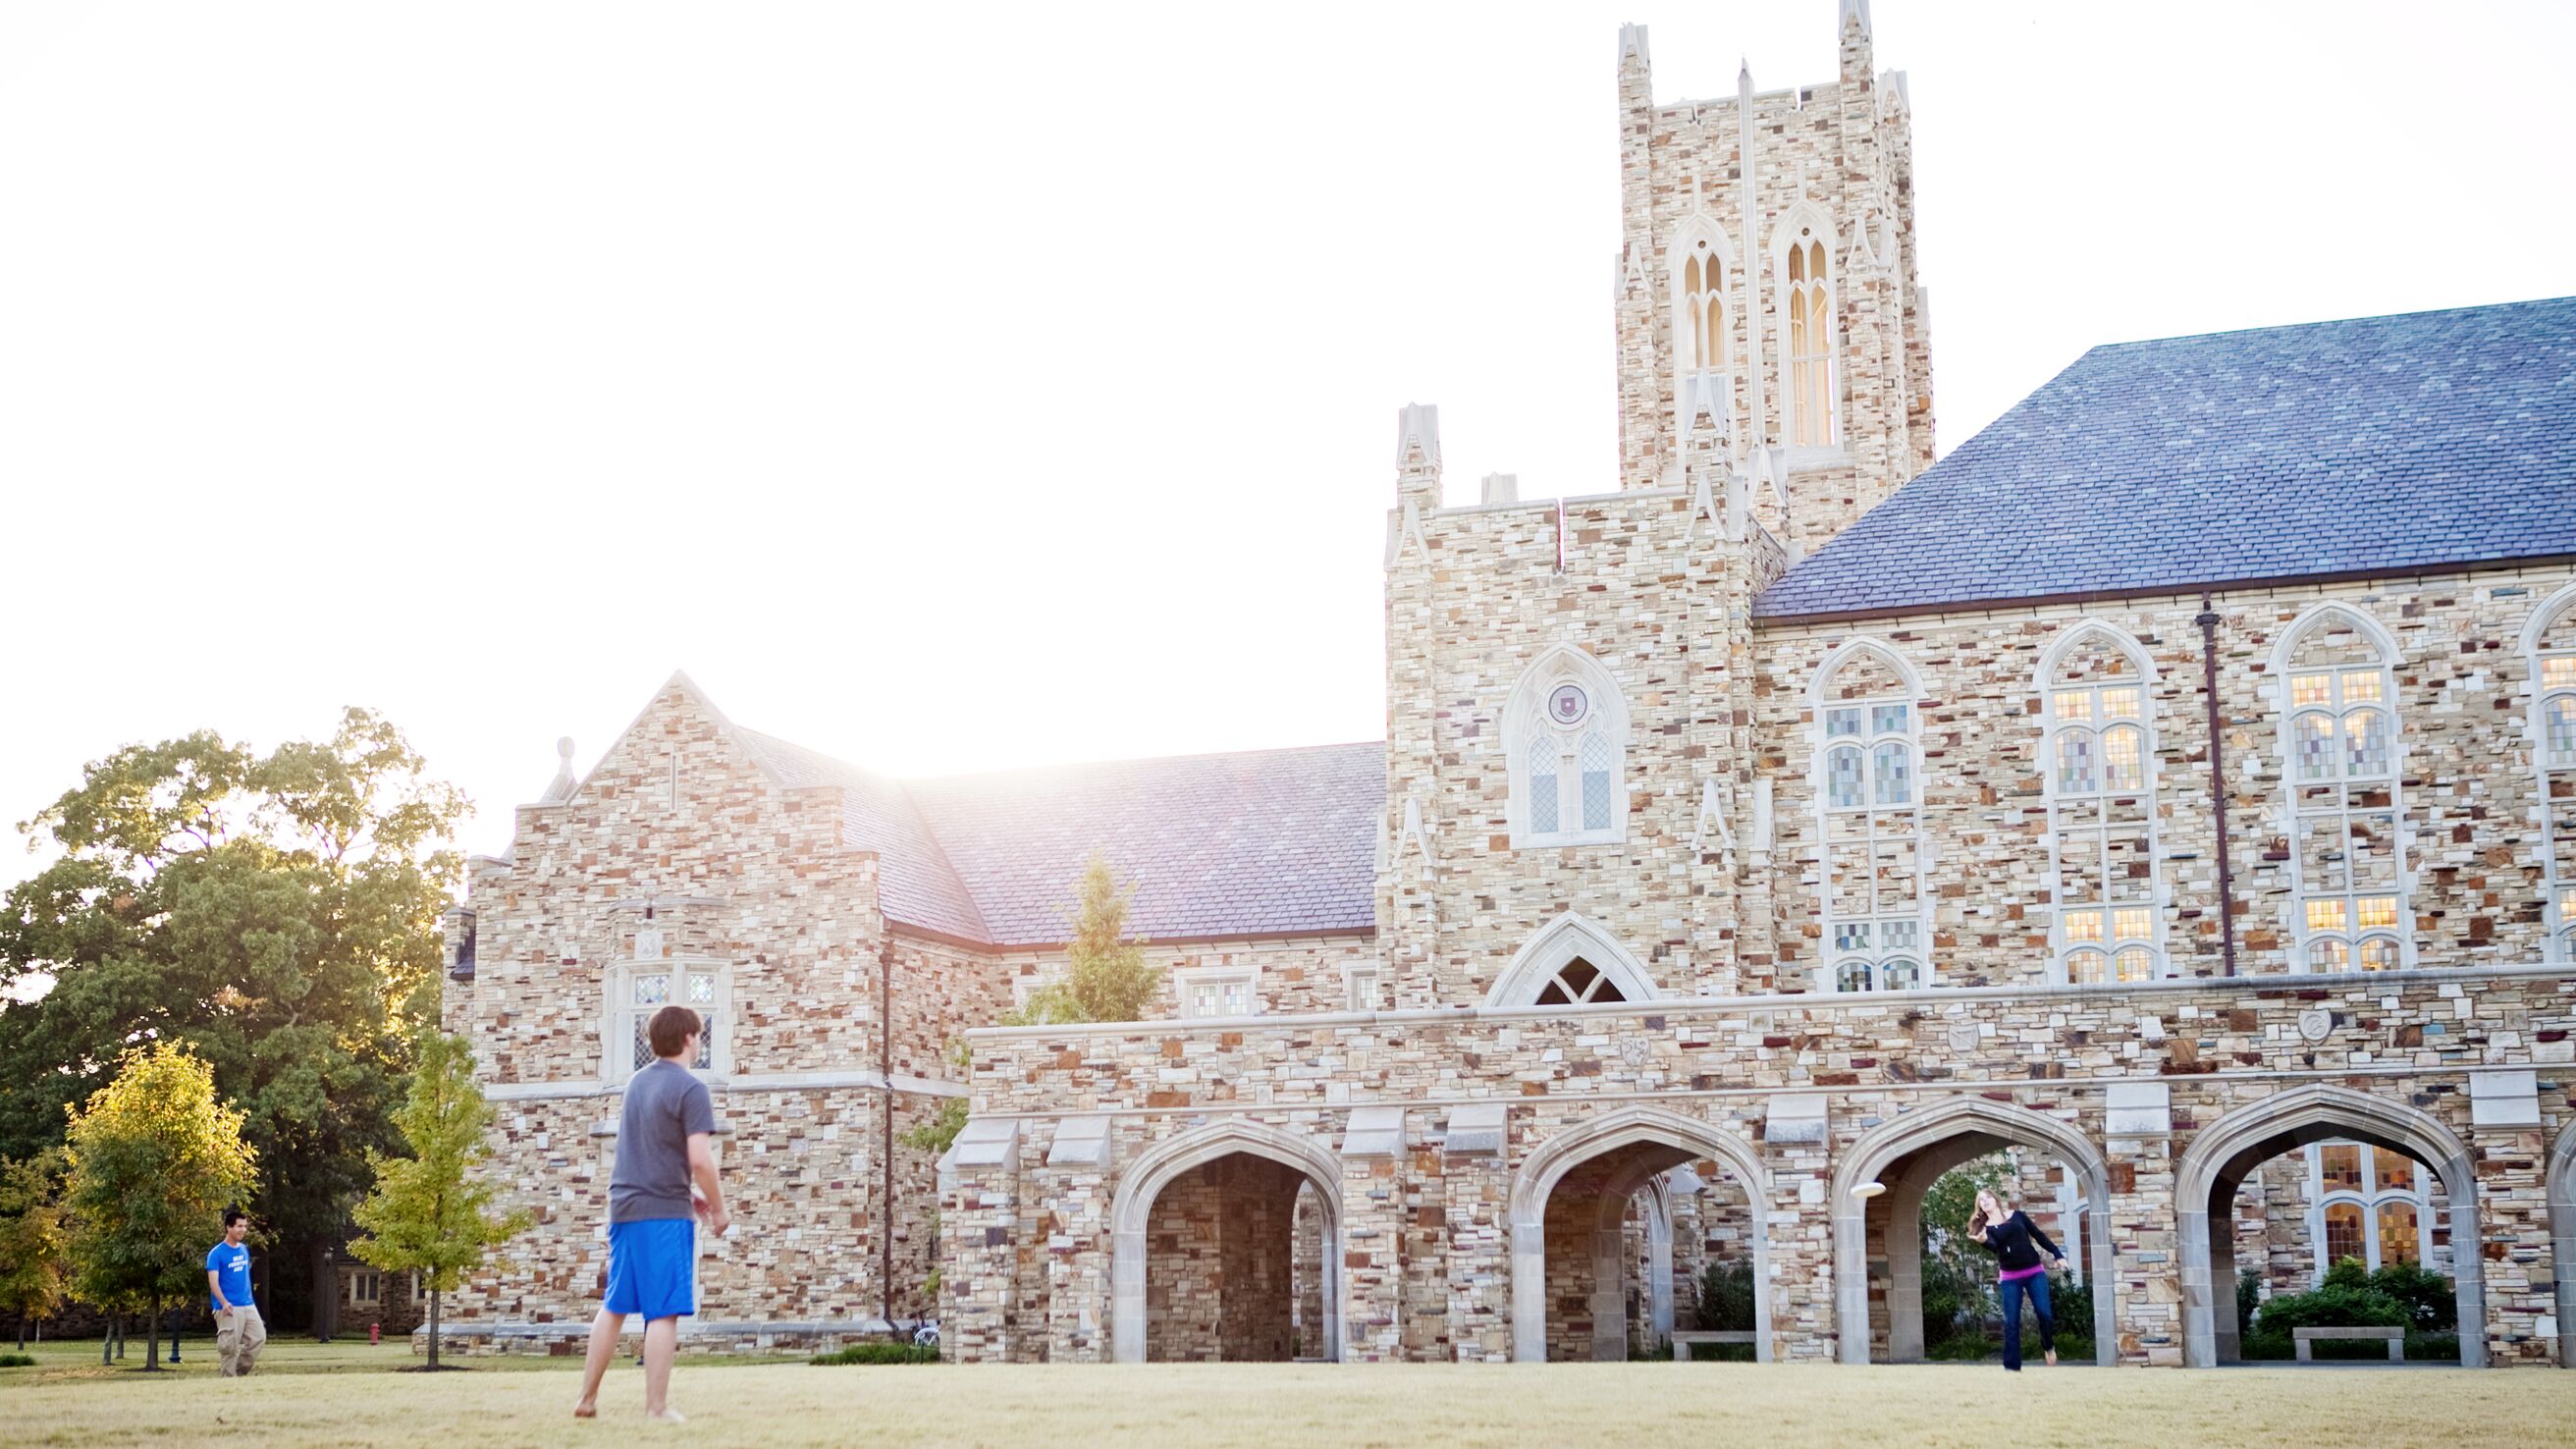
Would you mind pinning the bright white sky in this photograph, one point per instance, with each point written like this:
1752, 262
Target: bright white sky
947, 392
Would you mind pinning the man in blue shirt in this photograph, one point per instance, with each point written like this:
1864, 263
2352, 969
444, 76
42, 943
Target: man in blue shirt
238, 1331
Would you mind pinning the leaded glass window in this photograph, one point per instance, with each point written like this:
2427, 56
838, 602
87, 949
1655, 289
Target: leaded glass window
1869, 802
2098, 747
2342, 736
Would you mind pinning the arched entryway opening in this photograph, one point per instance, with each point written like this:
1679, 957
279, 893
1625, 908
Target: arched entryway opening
1593, 1237
2221, 1155
1878, 1241
1227, 1248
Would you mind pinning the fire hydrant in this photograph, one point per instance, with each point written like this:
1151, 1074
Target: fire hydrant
375, 1334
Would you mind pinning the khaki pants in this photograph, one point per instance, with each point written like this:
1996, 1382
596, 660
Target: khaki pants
238, 1335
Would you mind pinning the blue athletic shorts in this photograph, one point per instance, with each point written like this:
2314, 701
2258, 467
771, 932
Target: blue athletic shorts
652, 1267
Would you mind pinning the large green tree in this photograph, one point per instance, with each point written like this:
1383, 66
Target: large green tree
33, 1245
154, 1161
428, 1213
276, 913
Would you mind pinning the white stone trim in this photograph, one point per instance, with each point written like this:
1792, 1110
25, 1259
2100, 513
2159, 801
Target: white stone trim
1557, 943
1830, 959
1132, 1209
1186, 979
1970, 1117
2294, 919
1699, 1006
2312, 1112
2159, 894
1524, 726
747, 1082
2555, 885
1582, 1142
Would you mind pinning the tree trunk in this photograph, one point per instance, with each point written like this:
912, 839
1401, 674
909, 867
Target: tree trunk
120, 1337
433, 1328
152, 1337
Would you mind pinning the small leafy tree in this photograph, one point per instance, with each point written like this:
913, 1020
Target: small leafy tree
1105, 978
1957, 1272
154, 1160
33, 1242
426, 1214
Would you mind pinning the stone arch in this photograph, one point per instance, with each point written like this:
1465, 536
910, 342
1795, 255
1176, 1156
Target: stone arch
2086, 629
2558, 883
1842, 654
2535, 629
1556, 944
1936, 1139
2309, 618
1569, 1149
2221, 1153
2561, 1186
1154, 1170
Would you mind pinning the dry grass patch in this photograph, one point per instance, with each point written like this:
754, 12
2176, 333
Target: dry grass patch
345, 1396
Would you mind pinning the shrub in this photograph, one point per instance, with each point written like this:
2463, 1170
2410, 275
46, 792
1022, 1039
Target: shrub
16, 1360
2338, 1304
2433, 1347
2249, 1299
880, 1353
2431, 1302
1726, 1297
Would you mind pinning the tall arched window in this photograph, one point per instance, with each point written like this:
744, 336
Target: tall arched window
1566, 732
2340, 754
1808, 304
1869, 807
2549, 644
1701, 264
2098, 766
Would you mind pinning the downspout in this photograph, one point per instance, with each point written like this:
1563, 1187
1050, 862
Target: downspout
2208, 622
885, 1156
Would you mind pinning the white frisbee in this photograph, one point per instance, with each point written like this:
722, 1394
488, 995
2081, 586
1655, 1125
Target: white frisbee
1869, 1189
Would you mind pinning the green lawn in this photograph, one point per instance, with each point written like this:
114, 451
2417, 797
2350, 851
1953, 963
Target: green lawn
349, 1394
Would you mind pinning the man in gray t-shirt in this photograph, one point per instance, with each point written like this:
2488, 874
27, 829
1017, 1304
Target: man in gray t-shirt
665, 1175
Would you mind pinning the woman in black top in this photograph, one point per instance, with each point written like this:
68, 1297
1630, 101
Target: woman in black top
2017, 1242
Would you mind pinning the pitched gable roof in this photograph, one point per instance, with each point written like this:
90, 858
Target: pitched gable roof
2379, 445
1260, 843
1266, 842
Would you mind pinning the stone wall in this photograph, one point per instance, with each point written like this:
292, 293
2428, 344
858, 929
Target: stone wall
1830, 163
2471, 814
679, 855
1307, 974
2034, 1066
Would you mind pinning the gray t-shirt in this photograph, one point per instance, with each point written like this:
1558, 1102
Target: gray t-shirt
664, 1104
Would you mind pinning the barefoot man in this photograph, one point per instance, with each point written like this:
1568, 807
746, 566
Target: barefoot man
665, 1173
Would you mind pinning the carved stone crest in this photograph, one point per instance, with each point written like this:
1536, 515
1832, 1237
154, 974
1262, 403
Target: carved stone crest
1963, 1037
2316, 1023
1635, 1050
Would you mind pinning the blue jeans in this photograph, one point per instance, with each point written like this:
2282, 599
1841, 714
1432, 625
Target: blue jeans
2010, 1290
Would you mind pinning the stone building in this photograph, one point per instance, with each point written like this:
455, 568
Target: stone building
2169, 784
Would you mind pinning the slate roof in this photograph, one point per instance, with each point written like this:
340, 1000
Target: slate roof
2378, 445
1265, 842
